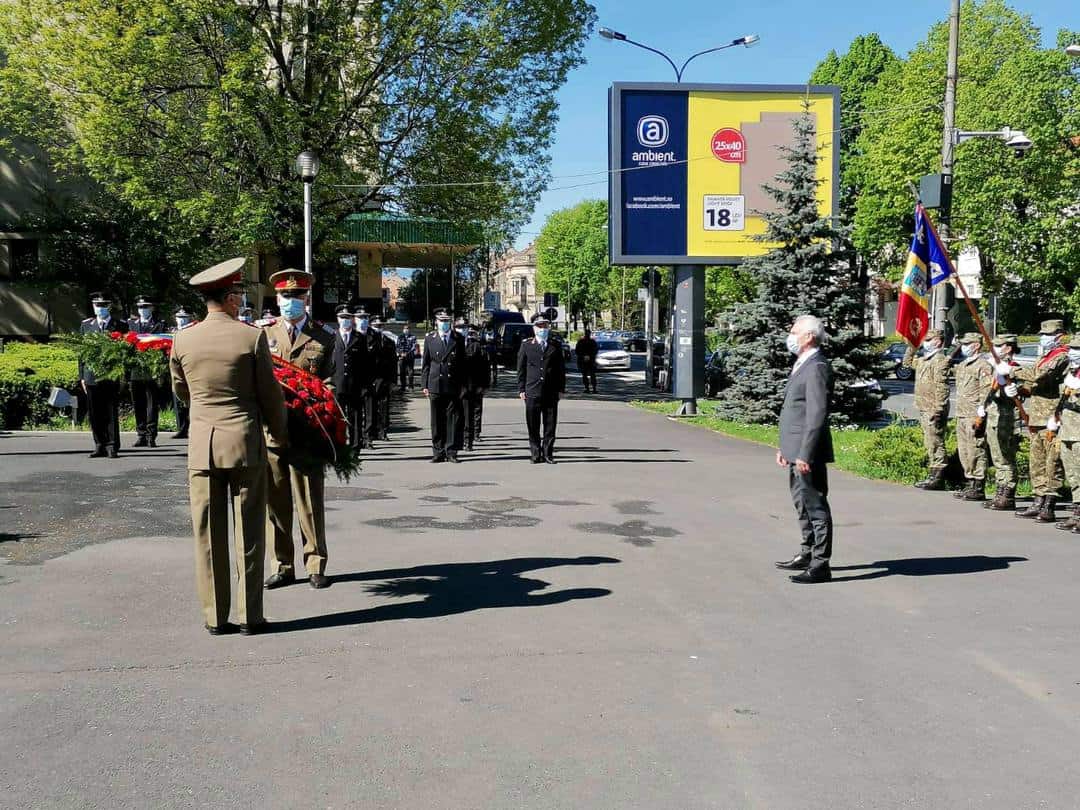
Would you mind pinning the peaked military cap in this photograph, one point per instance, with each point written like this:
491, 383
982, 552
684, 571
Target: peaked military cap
343, 309
541, 317
292, 280
229, 273
182, 313
441, 315
1052, 326
99, 298
143, 301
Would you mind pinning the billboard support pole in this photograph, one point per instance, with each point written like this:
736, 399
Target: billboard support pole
688, 337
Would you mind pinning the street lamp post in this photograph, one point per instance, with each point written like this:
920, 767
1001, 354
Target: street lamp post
1073, 50
307, 166
618, 36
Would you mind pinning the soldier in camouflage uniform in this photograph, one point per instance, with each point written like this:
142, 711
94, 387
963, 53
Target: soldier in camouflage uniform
1040, 385
1067, 422
973, 379
999, 413
932, 401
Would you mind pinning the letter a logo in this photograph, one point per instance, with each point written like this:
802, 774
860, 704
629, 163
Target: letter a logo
652, 131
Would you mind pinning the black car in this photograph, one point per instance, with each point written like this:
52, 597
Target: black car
716, 376
510, 336
893, 358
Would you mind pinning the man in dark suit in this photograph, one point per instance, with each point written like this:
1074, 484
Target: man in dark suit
102, 396
441, 376
145, 393
349, 377
477, 379
541, 371
806, 448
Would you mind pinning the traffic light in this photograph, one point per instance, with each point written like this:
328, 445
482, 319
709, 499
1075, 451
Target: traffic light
551, 300
658, 279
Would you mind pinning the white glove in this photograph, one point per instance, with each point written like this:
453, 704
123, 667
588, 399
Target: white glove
981, 412
1003, 368
1052, 425
1011, 391
1073, 382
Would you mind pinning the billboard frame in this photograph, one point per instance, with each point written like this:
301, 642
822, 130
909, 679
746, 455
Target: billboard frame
615, 168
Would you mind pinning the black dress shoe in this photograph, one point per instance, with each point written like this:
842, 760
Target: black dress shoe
141, 442
318, 581
114, 454
279, 581
453, 459
536, 460
180, 434
438, 459
550, 460
152, 442
253, 629
218, 630
800, 562
99, 453
809, 576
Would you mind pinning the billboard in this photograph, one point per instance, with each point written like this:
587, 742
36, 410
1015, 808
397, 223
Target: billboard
688, 162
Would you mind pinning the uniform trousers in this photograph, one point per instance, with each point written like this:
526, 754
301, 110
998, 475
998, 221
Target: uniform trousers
445, 417
144, 401
183, 415
933, 427
210, 492
494, 369
290, 487
378, 410
588, 372
473, 415
1070, 460
406, 371
1002, 440
354, 421
541, 412
103, 401
810, 495
972, 449
1044, 461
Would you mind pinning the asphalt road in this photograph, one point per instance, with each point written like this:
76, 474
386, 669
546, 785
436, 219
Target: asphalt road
605, 633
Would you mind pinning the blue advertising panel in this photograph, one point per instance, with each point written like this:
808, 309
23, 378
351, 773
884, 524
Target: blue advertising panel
653, 160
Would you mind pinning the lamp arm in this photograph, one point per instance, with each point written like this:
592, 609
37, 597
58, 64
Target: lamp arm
659, 53
680, 71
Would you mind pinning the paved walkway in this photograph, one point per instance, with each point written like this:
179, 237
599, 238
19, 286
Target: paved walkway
605, 633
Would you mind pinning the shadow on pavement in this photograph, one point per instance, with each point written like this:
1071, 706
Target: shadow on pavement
452, 588
927, 567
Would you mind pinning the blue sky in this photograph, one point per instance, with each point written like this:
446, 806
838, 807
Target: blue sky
795, 35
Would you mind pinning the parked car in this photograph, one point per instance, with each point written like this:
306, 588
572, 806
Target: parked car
716, 377
610, 354
634, 341
510, 337
893, 358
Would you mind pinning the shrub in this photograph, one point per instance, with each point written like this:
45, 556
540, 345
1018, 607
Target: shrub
27, 372
894, 453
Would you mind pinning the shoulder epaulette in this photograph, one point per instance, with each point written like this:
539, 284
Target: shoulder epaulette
264, 322
88, 320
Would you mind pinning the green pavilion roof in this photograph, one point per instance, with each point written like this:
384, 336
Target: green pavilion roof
398, 229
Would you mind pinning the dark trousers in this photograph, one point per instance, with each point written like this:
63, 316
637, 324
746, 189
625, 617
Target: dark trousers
541, 412
494, 369
354, 421
406, 370
810, 494
588, 373
183, 415
473, 408
378, 410
445, 417
144, 401
103, 403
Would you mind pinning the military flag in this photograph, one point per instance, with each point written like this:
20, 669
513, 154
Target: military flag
928, 264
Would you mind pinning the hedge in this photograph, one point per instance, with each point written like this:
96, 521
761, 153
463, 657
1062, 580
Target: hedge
28, 371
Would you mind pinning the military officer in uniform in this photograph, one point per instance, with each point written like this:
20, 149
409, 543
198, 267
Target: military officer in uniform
1000, 427
184, 320
223, 369
973, 379
383, 377
296, 338
541, 370
247, 315
348, 372
145, 393
932, 402
102, 396
406, 357
442, 374
477, 377
1040, 385
1066, 423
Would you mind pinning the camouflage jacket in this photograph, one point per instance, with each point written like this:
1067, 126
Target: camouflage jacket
973, 380
1040, 384
932, 382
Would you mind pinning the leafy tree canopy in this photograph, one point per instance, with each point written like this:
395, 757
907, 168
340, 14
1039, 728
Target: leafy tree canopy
572, 252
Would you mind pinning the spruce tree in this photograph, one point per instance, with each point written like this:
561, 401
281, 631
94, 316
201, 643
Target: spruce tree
808, 273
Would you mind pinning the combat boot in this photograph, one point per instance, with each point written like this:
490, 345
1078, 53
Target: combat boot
1070, 522
977, 490
1004, 500
961, 494
935, 481
1046, 514
1033, 509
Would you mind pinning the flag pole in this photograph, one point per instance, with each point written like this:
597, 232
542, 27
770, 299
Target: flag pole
955, 278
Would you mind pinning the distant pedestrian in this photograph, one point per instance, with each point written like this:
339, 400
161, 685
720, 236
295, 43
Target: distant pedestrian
806, 448
406, 357
541, 370
586, 350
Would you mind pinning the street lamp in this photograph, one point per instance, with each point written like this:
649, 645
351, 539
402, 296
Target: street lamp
1015, 139
307, 166
618, 36
1073, 50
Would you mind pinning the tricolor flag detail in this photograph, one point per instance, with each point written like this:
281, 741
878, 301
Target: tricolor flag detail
928, 264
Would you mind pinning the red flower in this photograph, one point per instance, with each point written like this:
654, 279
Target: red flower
114, 335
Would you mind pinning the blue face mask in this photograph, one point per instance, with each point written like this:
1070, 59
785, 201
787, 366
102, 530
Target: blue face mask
101, 312
182, 322
444, 327
345, 324
291, 308
542, 333
146, 313
362, 324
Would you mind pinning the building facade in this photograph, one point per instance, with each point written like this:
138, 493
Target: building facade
514, 278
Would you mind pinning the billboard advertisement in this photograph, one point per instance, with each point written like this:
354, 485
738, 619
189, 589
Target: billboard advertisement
688, 163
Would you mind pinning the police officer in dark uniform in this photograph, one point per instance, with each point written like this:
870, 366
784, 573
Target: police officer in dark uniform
102, 396
145, 393
406, 357
541, 371
384, 373
348, 372
184, 319
477, 377
365, 357
441, 376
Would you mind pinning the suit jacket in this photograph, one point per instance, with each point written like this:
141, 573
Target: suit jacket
386, 354
141, 327
541, 375
804, 418
443, 368
347, 363
86, 374
222, 367
313, 351
477, 367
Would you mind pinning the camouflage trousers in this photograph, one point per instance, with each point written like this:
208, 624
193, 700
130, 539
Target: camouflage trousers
1070, 460
933, 431
972, 449
1044, 459
1002, 440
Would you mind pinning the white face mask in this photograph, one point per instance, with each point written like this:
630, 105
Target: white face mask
146, 313
792, 343
969, 349
182, 322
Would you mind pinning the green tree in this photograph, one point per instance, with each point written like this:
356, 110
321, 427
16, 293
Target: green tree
806, 274
1019, 213
193, 112
572, 253
725, 287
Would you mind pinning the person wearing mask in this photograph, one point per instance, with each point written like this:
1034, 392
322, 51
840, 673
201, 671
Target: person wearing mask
294, 484
973, 381
384, 372
999, 413
541, 371
145, 393
406, 357
364, 366
442, 374
247, 315
586, 351
102, 396
1066, 424
183, 320
348, 371
477, 375
491, 346
223, 369
1040, 386
932, 402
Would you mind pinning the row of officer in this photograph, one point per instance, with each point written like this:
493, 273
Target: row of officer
365, 366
